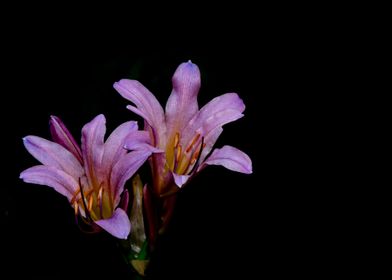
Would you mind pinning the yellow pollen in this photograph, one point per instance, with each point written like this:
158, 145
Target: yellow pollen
194, 140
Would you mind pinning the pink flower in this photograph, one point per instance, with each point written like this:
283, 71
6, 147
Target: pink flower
183, 135
91, 177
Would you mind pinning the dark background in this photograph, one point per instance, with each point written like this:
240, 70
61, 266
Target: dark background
273, 222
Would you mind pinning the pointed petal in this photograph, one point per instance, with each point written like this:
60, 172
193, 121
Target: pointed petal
62, 136
219, 111
125, 169
92, 149
231, 158
52, 154
52, 177
180, 180
182, 103
118, 225
140, 140
114, 145
147, 106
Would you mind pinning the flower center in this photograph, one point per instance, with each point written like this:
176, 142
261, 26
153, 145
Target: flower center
90, 201
186, 160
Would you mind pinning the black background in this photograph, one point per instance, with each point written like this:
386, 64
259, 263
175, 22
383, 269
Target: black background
273, 222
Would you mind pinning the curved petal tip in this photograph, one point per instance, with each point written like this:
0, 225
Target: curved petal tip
180, 180
118, 225
231, 158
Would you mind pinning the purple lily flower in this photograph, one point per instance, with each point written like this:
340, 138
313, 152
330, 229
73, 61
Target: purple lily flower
91, 177
183, 135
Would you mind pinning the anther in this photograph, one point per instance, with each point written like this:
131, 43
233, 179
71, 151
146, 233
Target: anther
84, 200
197, 157
194, 140
176, 140
90, 203
178, 154
100, 193
76, 208
100, 200
73, 200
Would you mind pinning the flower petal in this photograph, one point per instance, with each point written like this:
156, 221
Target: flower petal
140, 140
118, 225
180, 180
53, 154
231, 158
182, 103
62, 136
147, 106
219, 111
125, 169
114, 145
52, 177
92, 149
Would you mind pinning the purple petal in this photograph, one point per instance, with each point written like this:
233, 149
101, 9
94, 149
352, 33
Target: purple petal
140, 140
182, 103
180, 180
219, 111
52, 154
118, 225
51, 177
62, 136
210, 119
147, 106
231, 158
92, 149
114, 145
125, 169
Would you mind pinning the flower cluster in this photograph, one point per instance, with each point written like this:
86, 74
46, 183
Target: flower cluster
177, 141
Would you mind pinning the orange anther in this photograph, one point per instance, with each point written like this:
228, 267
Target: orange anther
178, 154
90, 203
194, 140
176, 140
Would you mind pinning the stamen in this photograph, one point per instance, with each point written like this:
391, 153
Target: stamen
194, 140
90, 202
84, 200
100, 193
202, 145
74, 197
196, 155
178, 154
76, 208
176, 139
100, 201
